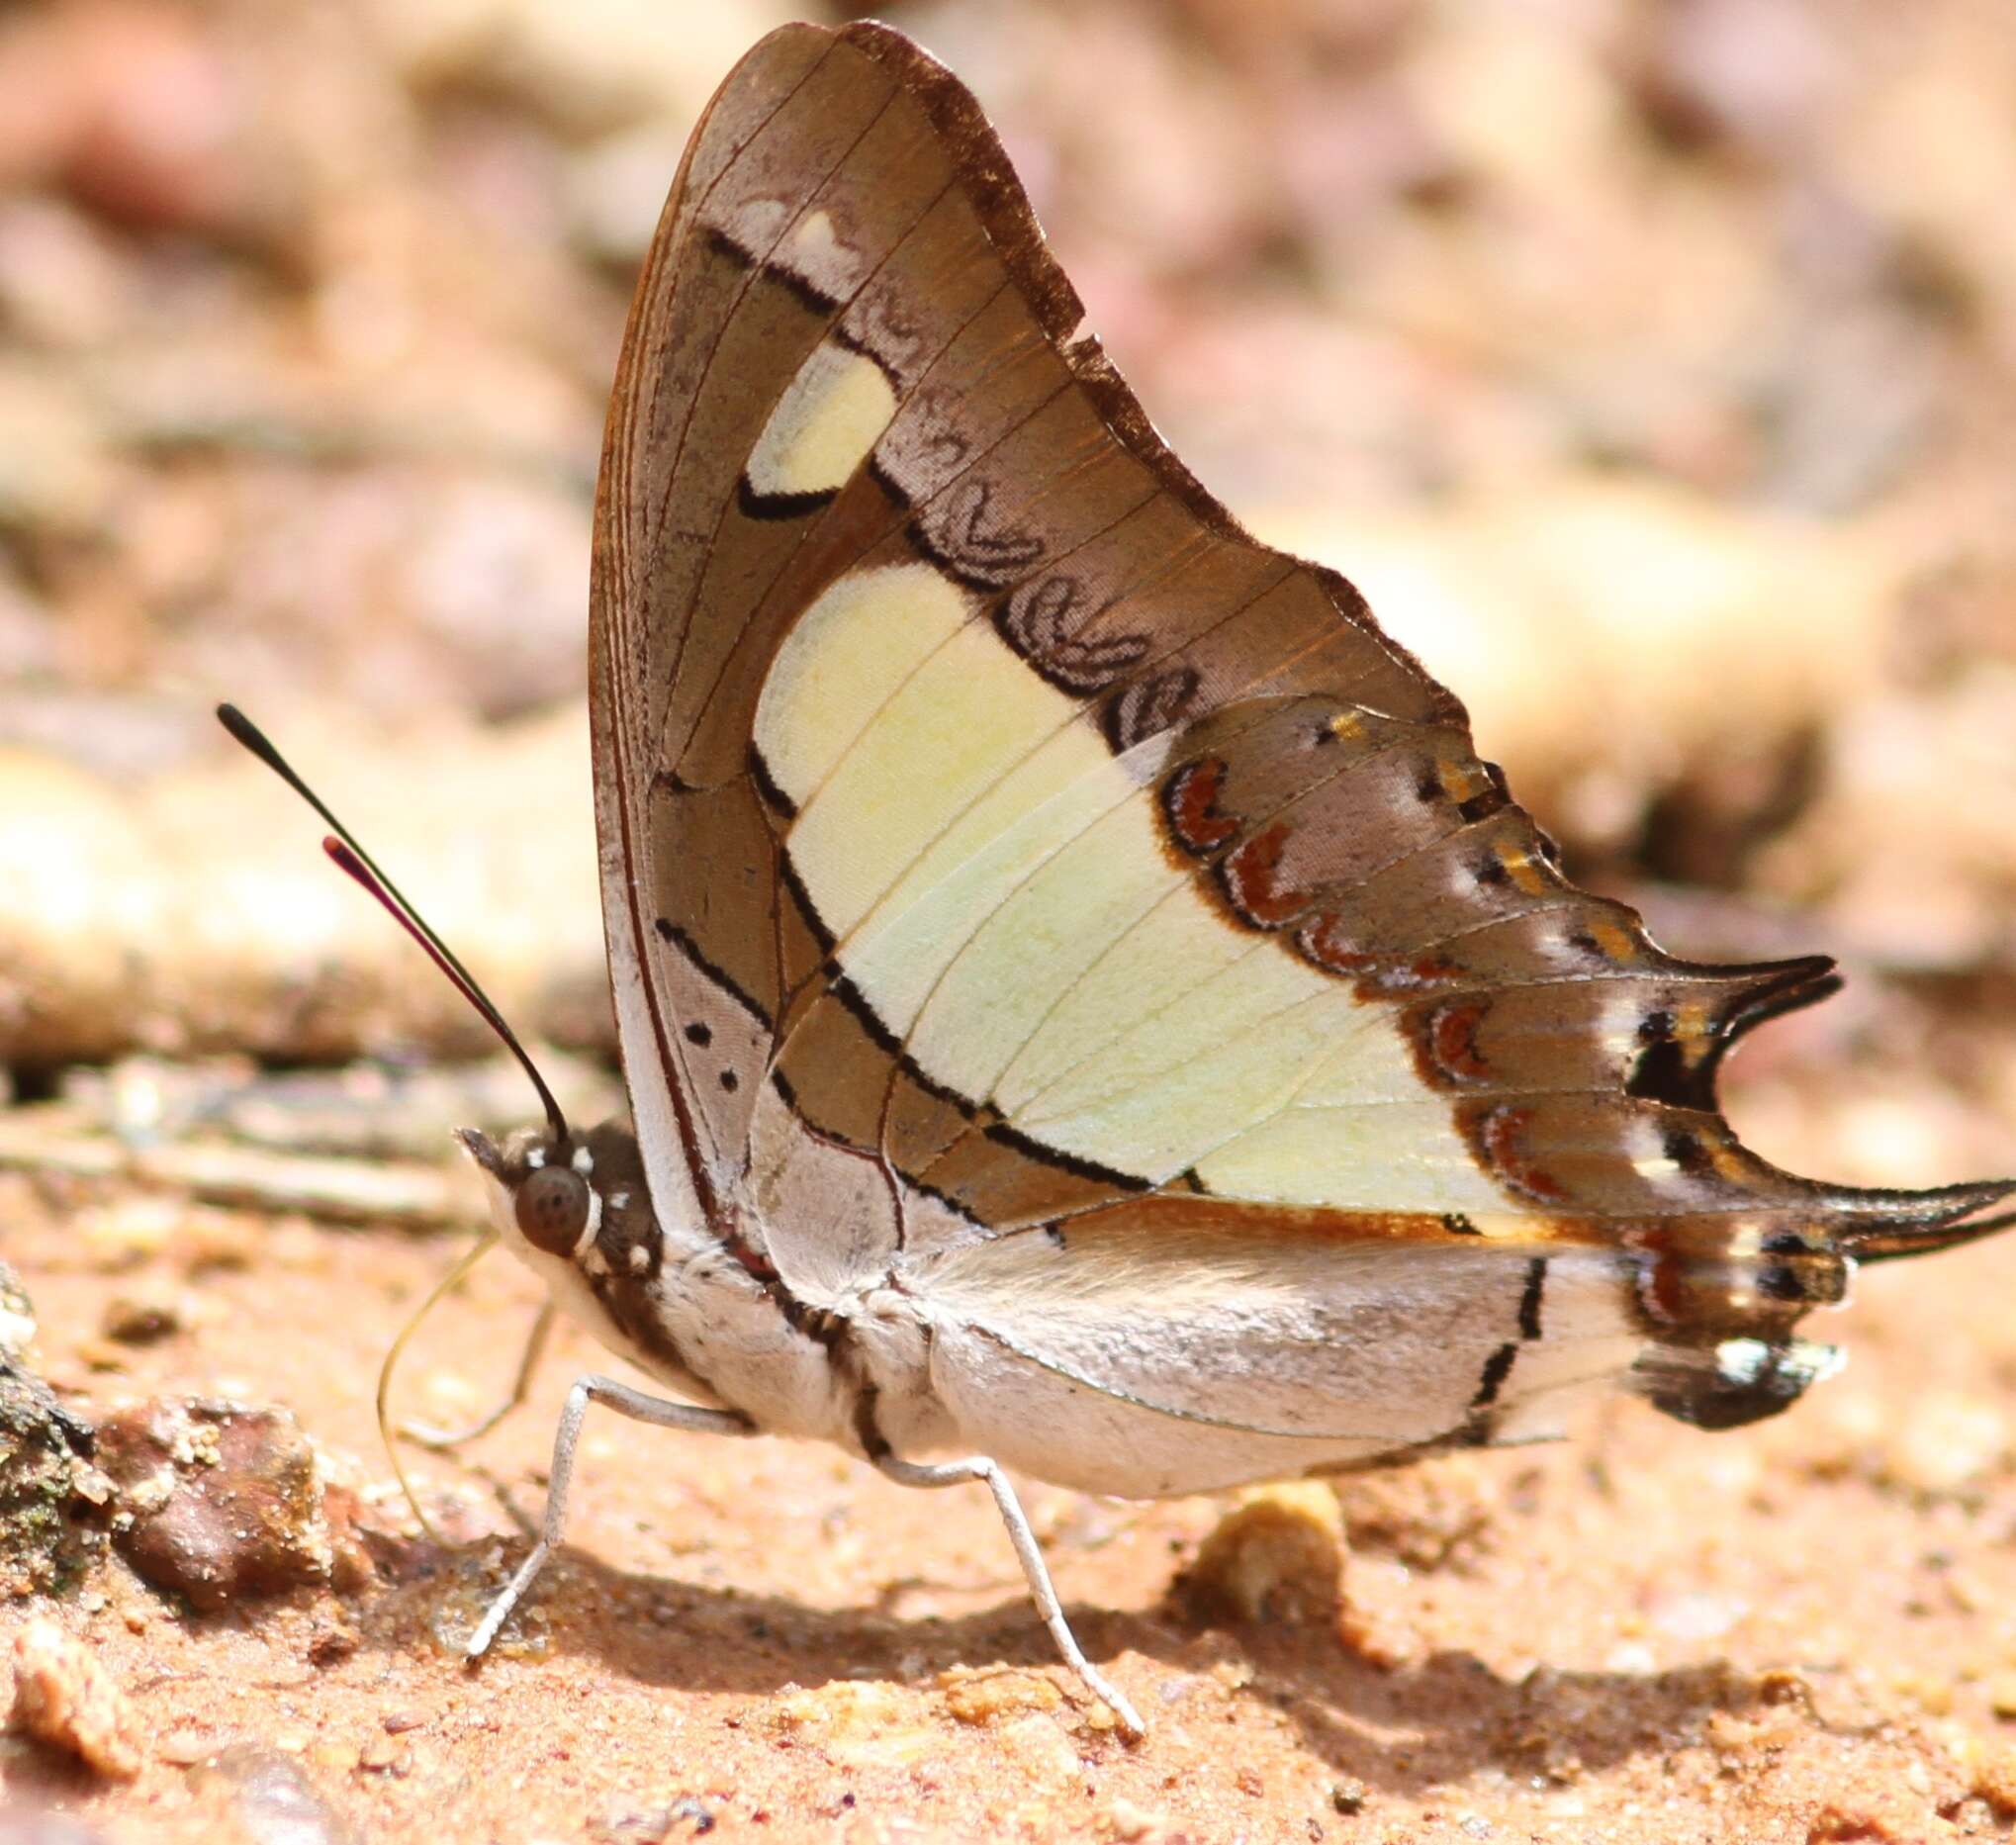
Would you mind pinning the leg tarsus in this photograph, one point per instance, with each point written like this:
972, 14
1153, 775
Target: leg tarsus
1034, 1569
620, 1397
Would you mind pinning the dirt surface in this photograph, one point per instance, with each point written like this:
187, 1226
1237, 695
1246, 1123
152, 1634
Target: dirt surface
1651, 362
1797, 1632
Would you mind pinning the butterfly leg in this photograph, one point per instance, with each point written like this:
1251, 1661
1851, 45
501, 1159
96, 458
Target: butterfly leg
635, 1402
428, 1436
955, 1472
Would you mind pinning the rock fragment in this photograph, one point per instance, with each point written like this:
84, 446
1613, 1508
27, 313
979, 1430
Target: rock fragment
267, 1800
218, 1501
51, 1495
143, 1318
858, 1724
986, 1696
1277, 1555
64, 1697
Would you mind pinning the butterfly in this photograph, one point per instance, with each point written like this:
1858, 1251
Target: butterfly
1086, 1007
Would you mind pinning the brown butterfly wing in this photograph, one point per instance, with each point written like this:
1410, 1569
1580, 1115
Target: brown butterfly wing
983, 809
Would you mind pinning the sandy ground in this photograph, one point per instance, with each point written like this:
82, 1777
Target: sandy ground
1800, 1632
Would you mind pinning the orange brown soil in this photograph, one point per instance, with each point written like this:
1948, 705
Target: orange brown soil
1797, 1632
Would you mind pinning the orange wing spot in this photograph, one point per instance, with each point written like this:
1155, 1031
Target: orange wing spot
1727, 1159
1168, 1215
1452, 1040
1665, 1290
1614, 942
1694, 1030
1348, 727
1250, 877
1460, 781
1323, 942
1501, 1136
1193, 807
1523, 869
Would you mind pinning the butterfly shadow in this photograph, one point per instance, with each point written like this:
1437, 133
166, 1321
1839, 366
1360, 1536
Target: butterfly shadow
1449, 1716
1402, 1729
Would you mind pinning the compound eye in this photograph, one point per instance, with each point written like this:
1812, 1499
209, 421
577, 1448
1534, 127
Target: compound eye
552, 1209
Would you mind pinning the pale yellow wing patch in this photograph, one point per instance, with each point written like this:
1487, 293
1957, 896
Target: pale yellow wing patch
918, 929
948, 735
1045, 935
863, 636
1401, 1156
1176, 946
1161, 1098
824, 426
1002, 895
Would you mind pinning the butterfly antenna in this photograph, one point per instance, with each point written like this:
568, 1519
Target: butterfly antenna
352, 858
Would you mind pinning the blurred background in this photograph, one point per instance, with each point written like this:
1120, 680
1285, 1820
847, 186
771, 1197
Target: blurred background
1651, 363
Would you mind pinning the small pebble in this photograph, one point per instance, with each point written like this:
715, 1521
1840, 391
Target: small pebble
988, 1697
183, 1748
385, 1755
332, 1644
1350, 1796
64, 1697
224, 1501
141, 1319
1277, 1555
859, 1724
1994, 1777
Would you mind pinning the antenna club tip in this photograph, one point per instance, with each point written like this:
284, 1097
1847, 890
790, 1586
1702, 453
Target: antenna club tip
352, 860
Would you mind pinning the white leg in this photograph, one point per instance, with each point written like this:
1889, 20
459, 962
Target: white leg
954, 1473
635, 1403
428, 1436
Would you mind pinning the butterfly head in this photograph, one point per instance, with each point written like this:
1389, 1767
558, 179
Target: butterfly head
572, 1197
541, 1176
541, 1185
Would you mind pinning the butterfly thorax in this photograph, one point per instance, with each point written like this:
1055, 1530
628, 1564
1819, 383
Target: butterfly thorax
704, 1315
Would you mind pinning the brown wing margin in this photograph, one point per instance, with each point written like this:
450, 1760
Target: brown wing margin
1003, 207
